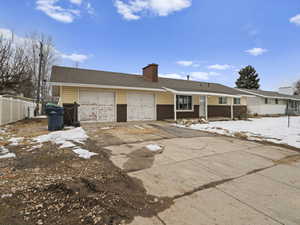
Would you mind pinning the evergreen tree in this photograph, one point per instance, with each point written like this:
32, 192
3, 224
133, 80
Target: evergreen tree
248, 78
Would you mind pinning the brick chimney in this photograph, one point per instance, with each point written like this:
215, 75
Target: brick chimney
150, 72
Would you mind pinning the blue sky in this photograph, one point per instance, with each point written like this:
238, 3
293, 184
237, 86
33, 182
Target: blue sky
207, 39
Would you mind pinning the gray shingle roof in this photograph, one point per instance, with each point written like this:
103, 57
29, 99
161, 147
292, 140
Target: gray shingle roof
270, 94
95, 77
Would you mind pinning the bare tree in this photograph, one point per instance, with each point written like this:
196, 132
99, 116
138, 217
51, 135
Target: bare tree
19, 65
15, 67
297, 88
49, 57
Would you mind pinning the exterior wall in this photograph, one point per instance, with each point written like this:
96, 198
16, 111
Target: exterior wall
256, 105
164, 103
69, 95
218, 111
240, 111
214, 100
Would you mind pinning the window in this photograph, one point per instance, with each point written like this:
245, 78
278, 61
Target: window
266, 101
222, 100
276, 101
237, 101
184, 102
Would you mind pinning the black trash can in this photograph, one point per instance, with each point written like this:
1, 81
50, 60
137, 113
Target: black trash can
55, 117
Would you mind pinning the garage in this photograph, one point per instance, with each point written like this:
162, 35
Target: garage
140, 107
97, 106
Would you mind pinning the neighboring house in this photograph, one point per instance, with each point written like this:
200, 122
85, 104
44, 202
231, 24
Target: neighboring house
287, 90
271, 102
108, 97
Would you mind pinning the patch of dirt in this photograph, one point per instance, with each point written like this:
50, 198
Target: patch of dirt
28, 128
140, 159
52, 186
117, 134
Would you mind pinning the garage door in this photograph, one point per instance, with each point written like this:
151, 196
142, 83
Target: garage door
140, 106
97, 106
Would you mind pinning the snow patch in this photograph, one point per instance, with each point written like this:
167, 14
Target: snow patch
16, 141
4, 153
83, 153
61, 137
272, 129
67, 144
154, 147
6, 195
106, 128
35, 147
67, 139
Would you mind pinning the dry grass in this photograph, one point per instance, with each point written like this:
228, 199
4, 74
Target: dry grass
28, 128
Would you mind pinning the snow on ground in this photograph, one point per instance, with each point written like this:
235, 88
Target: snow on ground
15, 140
4, 153
153, 147
273, 129
83, 153
68, 139
61, 137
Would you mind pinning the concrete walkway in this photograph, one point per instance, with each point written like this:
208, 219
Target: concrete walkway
217, 180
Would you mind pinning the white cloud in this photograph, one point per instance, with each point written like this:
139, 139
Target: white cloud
185, 63
61, 14
203, 75
79, 58
256, 51
90, 9
8, 34
77, 2
220, 67
133, 9
295, 20
50, 8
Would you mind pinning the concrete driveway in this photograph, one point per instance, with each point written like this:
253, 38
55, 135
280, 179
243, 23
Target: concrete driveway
212, 179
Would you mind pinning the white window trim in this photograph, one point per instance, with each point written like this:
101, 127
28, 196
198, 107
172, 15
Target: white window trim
237, 104
185, 110
226, 103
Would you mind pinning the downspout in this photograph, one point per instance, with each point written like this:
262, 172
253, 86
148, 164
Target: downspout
175, 107
206, 108
231, 108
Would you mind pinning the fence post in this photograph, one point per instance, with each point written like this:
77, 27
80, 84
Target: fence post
1, 108
11, 102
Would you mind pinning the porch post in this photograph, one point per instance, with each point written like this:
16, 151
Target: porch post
175, 107
231, 107
206, 108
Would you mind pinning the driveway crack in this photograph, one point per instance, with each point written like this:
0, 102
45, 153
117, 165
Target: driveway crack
214, 184
161, 220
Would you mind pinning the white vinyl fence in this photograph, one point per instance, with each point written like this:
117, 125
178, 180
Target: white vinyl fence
14, 109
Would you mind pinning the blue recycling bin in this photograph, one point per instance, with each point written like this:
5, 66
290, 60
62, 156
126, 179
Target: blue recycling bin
55, 117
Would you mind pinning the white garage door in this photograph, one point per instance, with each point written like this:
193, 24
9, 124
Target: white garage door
140, 106
97, 106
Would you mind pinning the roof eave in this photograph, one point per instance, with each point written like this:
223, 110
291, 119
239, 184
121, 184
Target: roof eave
267, 96
201, 93
104, 86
